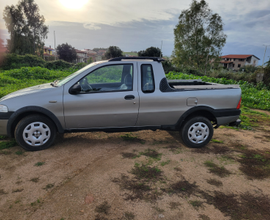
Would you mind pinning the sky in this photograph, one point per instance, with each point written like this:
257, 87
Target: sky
137, 25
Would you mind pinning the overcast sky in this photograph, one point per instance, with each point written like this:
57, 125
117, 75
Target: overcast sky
137, 25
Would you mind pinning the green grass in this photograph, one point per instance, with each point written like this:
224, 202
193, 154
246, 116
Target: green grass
38, 164
253, 96
163, 163
7, 144
217, 141
19, 152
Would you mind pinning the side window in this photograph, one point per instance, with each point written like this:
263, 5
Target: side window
147, 78
108, 79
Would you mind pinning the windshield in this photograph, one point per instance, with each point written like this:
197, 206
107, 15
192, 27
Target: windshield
65, 80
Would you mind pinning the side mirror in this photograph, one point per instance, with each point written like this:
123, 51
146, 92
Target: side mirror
76, 89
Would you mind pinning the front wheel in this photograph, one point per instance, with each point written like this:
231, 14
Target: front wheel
197, 132
35, 132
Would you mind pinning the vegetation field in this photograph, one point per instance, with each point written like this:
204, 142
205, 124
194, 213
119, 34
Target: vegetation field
253, 96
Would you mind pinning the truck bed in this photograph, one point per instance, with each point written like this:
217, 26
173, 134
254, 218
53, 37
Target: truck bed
198, 85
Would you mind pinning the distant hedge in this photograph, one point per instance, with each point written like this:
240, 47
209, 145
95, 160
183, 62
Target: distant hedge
15, 61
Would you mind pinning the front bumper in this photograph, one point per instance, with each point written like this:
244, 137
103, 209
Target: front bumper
4, 117
3, 127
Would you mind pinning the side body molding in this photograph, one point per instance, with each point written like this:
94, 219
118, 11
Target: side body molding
25, 111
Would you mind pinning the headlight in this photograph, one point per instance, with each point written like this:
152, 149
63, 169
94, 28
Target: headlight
3, 108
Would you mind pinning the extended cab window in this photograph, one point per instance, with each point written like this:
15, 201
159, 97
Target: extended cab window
108, 78
147, 77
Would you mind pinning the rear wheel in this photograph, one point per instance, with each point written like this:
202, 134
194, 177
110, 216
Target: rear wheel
35, 132
197, 132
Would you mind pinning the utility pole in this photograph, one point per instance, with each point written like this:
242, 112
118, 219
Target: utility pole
266, 45
54, 46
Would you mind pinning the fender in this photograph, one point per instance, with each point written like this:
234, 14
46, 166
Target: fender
211, 113
19, 114
192, 110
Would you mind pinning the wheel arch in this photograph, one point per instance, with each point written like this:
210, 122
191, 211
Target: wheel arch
29, 110
204, 111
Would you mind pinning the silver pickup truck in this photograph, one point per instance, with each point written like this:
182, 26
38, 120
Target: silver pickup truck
120, 94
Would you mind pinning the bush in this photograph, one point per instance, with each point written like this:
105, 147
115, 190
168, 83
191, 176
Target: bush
58, 65
15, 61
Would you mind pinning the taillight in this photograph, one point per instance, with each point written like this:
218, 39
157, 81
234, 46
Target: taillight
239, 103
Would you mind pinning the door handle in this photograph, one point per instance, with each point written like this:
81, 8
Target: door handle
129, 97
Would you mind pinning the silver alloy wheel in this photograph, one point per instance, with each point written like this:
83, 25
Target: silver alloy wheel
198, 132
36, 134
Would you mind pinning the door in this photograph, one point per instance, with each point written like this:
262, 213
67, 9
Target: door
108, 99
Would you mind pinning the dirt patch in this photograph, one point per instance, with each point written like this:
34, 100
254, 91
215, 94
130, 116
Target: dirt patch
141, 175
182, 187
255, 164
129, 155
217, 170
245, 206
214, 182
214, 149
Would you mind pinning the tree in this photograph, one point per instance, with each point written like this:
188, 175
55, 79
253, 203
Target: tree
199, 36
66, 52
113, 51
26, 27
150, 52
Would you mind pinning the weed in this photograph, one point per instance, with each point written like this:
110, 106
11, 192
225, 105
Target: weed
204, 217
173, 148
3, 137
17, 190
151, 153
4, 152
48, 186
215, 149
165, 162
129, 137
214, 182
19, 152
196, 204
247, 207
128, 216
7, 144
217, 141
215, 169
146, 172
2, 192
178, 169
35, 180
129, 155
38, 164
35, 203
138, 189
182, 187
17, 201
255, 164
159, 210
103, 208
174, 205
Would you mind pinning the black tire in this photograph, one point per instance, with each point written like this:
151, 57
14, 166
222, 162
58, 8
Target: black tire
35, 132
197, 132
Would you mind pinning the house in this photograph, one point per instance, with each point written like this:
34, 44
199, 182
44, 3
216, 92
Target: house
91, 54
100, 54
81, 56
48, 53
236, 61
